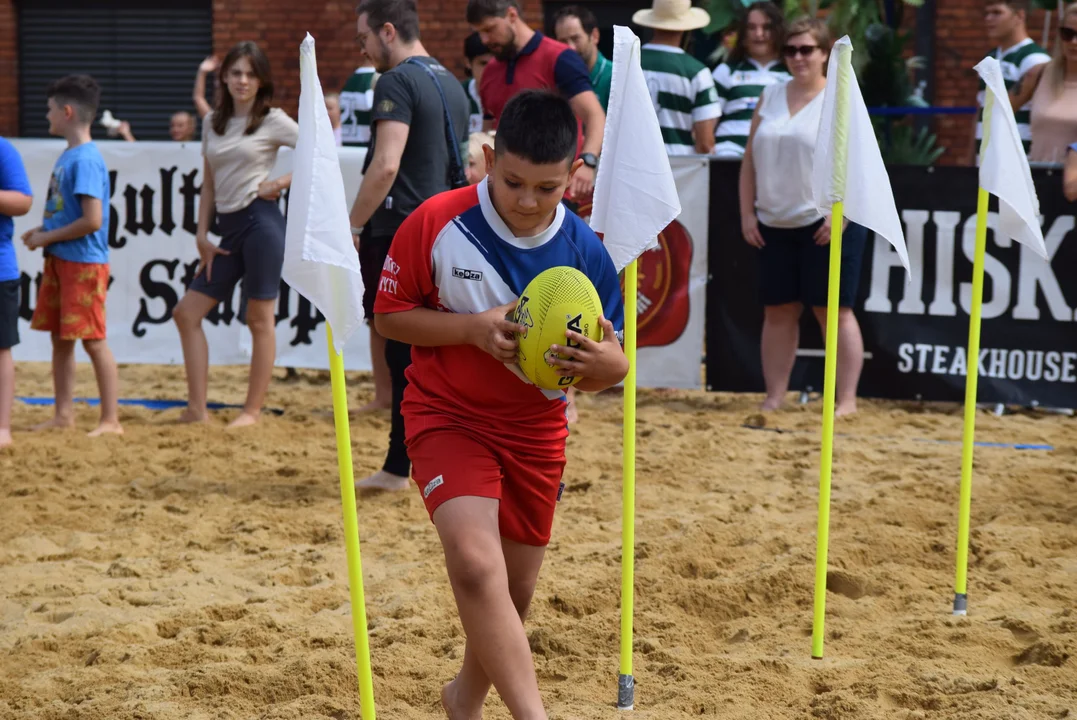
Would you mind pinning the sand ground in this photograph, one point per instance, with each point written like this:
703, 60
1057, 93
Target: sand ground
189, 572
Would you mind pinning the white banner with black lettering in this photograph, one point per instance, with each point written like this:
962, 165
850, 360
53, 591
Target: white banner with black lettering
153, 217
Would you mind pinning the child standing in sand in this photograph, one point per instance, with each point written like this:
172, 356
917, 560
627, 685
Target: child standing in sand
15, 200
488, 448
74, 239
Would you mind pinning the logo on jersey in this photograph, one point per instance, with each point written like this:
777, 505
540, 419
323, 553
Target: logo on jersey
465, 274
433, 485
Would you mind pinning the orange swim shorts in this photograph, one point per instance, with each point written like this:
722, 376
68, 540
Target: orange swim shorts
71, 301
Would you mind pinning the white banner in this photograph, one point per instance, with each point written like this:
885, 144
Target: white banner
154, 215
673, 286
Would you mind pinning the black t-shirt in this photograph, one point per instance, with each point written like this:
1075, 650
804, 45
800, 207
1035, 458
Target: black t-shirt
408, 94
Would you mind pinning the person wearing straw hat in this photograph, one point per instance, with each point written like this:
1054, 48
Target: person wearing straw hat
682, 88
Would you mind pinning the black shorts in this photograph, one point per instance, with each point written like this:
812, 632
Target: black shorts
254, 239
372, 254
9, 314
792, 268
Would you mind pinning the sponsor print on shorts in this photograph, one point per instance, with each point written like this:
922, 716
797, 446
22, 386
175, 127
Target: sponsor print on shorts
433, 485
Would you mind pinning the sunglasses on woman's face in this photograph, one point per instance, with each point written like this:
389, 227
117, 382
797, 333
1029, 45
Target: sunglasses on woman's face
802, 50
1067, 34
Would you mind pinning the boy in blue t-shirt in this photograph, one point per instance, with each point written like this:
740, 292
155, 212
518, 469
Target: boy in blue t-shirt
15, 200
74, 237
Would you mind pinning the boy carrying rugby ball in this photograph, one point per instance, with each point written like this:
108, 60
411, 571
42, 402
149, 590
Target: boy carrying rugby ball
487, 447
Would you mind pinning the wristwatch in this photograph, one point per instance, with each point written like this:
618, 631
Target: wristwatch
590, 160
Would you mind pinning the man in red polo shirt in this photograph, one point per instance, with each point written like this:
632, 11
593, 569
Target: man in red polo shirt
525, 59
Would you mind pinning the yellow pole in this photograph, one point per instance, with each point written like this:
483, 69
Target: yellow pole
840, 148
351, 529
626, 685
961, 598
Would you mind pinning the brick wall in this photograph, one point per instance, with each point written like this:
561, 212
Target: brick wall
9, 70
280, 25
960, 43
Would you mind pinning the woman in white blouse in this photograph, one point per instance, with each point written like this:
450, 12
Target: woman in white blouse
240, 139
778, 216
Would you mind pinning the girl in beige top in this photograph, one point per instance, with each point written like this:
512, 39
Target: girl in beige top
1052, 88
240, 139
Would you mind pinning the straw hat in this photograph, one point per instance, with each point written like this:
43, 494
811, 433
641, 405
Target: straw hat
676, 15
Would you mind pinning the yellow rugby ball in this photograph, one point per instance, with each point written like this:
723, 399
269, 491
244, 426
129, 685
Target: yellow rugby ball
558, 299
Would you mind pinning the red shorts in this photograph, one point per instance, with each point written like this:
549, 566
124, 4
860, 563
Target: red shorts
71, 301
449, 461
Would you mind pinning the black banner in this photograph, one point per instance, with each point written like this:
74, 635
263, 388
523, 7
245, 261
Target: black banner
916, 332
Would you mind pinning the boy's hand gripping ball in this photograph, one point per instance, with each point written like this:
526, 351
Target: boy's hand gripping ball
558, 299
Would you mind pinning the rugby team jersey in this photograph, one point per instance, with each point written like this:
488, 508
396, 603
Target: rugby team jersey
739, 86
1015, 62
456, 255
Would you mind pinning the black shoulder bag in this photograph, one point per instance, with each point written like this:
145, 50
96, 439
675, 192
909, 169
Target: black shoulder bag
457, 170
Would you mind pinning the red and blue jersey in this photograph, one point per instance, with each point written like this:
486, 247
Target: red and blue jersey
542, 64
455, 254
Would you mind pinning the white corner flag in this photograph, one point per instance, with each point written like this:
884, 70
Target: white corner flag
853, 173
1004, 170
320, 261
635, 195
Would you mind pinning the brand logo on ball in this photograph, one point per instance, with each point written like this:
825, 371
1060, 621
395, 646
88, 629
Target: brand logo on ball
465, 274
663, 274
522, 316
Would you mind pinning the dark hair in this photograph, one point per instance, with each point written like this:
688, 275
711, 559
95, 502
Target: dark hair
585, 16
1015, 5
479, 10
262, 101
80, 92
473, 47
401, 14
537, 126
777, 24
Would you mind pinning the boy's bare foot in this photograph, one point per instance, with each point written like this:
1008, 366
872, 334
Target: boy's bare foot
244, 419
111, 427
451, 706
375, 405
771, 404
193, 416
845, 409
382, 480
56, 423
5, 438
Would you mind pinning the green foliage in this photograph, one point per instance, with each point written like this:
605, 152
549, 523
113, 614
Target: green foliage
907, 145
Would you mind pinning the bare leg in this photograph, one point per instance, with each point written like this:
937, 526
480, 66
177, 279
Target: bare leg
108, 387
383, 383
572, 413
7, 395
850, 358
463, 697
63, 383
781, 333
261, 319
188, 316
468, 528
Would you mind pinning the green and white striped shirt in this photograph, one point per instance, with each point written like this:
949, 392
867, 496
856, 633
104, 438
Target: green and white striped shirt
739, 86
356, 106
475, 117
1015, 62
683, 94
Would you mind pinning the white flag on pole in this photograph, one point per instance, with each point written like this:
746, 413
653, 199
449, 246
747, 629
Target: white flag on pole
320, 261
862, 183
1004, 170
635, 195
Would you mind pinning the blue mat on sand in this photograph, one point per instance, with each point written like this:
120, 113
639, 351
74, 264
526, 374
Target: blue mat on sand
143, 402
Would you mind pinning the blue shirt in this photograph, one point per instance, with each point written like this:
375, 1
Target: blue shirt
13, 178
79, 171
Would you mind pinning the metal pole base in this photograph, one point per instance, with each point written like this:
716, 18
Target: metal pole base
626, 692
961, 604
